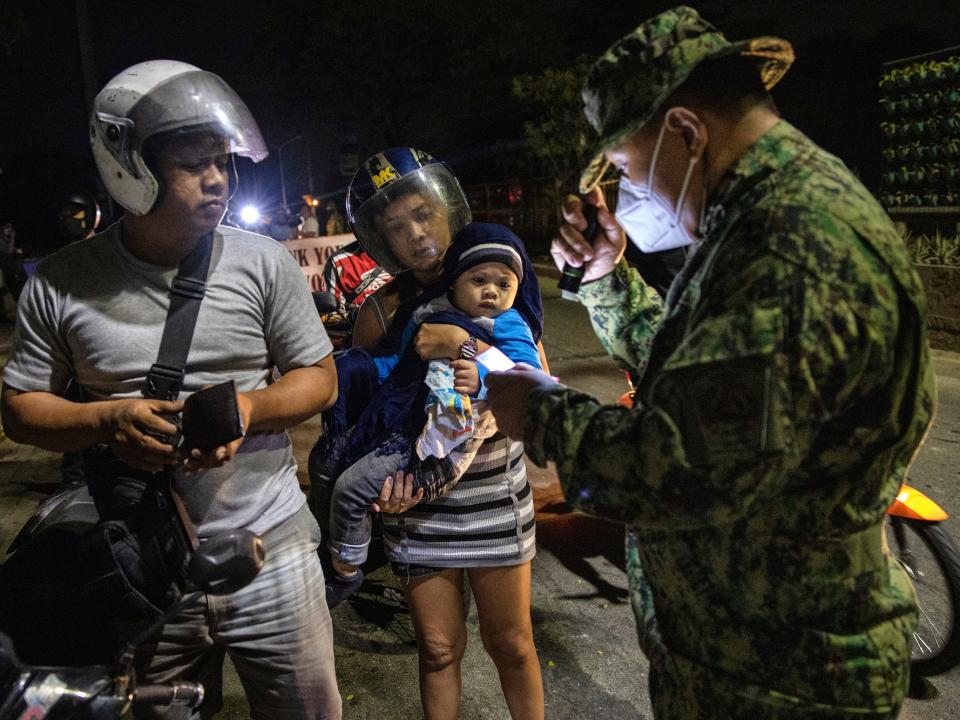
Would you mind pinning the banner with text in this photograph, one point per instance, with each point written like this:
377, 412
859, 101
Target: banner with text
311, 254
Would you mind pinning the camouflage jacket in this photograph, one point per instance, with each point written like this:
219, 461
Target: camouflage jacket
786, 384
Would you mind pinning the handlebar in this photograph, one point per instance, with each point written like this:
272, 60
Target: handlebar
182, 693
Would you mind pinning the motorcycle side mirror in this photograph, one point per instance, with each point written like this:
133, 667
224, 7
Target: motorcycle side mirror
325, 302
226, 562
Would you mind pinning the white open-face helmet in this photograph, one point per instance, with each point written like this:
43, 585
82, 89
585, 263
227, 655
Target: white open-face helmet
162, 96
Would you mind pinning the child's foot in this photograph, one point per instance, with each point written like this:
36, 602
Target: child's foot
340, 587
341, 580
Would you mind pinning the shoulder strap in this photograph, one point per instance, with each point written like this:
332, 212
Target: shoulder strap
165, 379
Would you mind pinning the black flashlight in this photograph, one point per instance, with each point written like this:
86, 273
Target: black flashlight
572, 276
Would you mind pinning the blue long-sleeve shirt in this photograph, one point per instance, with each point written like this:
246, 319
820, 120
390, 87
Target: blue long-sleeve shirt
511, 335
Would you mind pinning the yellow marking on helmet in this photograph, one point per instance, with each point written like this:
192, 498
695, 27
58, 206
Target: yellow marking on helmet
385, 175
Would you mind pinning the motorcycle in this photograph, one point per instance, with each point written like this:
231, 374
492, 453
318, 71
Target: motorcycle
338, 327
917, 538
223, 564
921, 544
350, 276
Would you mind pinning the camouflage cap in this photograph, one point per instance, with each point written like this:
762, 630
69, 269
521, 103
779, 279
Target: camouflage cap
629, 83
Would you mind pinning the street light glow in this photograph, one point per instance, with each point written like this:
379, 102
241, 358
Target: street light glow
250, 214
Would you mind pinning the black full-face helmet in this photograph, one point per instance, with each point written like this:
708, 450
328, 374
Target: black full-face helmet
388, 176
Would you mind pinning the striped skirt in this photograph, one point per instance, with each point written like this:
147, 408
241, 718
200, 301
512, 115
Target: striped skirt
486, 519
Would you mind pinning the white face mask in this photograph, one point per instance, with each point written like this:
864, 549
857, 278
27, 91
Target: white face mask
649, 222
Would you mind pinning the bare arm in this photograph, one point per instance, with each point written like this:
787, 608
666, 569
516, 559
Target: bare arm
437, 341
53, 423
370, 325
298, 395
543, 357
375, 315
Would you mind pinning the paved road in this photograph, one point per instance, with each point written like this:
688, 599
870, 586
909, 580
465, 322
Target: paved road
583, 627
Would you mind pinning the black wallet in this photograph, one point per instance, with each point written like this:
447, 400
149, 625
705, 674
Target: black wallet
211, 417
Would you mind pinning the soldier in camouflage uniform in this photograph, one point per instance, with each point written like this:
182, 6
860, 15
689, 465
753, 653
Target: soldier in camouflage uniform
786, 384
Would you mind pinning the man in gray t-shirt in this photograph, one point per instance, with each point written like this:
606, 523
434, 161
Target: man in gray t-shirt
162, 135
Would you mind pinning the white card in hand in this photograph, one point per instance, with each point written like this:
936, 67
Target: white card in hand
493, 359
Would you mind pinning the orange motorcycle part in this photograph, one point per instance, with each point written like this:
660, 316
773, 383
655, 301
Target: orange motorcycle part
912, 504
627, 399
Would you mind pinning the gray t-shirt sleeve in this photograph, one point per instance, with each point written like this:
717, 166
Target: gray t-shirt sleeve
39, 360
295, 335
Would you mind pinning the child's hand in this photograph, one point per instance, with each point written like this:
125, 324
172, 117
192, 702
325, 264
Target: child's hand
466, 377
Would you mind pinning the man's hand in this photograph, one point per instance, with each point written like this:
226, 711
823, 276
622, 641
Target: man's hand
508, 393
466, 377
436, 341
569, 247
126, 424
219, 456
396, 495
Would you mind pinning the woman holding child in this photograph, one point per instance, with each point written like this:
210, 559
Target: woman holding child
410, 214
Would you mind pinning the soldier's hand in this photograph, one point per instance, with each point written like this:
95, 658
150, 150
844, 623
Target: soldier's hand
508, 394
127, 424
570, 247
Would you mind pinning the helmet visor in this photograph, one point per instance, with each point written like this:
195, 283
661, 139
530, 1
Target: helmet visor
409, 223
199, 100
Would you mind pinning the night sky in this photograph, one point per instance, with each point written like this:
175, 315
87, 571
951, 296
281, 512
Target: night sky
357, 76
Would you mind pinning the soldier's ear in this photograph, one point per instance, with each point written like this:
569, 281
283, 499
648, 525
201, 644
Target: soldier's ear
686, 121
